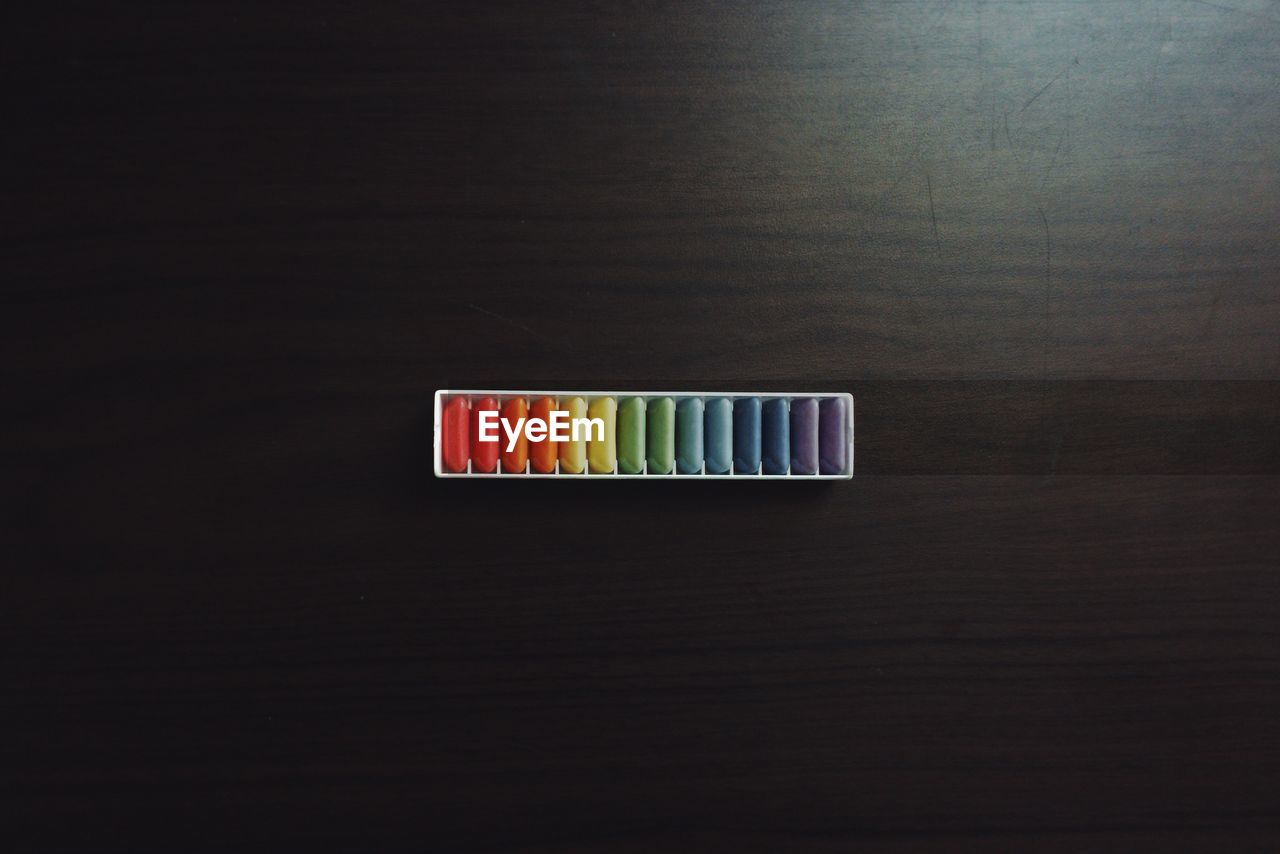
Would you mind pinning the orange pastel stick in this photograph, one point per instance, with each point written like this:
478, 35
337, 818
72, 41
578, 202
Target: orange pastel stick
542, 453
455, 429
484, 455
513, 411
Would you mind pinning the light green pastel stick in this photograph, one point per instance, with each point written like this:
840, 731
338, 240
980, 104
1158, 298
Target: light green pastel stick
661, 439
631, 435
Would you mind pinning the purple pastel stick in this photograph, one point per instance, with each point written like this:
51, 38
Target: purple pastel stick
804, 436
833, 436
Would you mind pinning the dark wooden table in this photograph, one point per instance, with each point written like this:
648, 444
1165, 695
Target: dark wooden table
1036, 240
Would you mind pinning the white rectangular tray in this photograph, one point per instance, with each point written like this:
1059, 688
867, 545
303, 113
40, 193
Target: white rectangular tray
530, 394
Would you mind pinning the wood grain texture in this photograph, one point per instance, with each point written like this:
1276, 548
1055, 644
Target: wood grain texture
1036, 240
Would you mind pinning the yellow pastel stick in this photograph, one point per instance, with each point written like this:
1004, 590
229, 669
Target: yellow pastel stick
573, 453
601, 453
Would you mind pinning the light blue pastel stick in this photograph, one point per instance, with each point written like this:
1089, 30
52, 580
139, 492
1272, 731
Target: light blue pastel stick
689, 436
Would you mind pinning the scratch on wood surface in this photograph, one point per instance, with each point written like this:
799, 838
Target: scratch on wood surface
1213, 310
1053, 456
933, 217
954, 311
1045, 87
1053, 161
482, 310
1222, 7
1048, 278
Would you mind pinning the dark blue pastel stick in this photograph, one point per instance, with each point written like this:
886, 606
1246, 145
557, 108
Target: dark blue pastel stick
775, 436
746, 435
804, 436
717, 436
833, 435
689, 436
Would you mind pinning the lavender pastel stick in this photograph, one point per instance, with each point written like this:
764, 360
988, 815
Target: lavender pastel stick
804, 436
833, 435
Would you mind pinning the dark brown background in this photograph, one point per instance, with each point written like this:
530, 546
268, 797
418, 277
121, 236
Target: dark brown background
1037, 240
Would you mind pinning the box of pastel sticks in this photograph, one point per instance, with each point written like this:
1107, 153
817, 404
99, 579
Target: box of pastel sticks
620, 435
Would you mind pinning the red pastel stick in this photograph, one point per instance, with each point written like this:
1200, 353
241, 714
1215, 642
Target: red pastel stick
455, 434
484, 455
512, 411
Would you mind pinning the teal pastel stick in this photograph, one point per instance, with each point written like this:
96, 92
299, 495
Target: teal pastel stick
660, 435
775, 436
717, 437
746, 435
689, 436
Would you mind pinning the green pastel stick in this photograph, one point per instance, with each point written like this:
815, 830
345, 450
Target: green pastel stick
661, 439
631, 435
